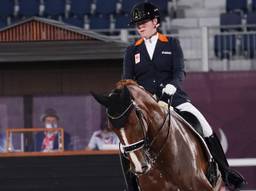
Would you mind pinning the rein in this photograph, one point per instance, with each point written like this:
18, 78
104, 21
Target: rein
122, 114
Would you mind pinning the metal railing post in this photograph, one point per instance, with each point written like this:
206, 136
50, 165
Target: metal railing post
205, 53
124, 35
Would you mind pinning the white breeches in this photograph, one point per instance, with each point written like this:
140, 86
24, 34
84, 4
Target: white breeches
187, 106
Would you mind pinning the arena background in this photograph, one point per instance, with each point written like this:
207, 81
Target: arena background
46, 61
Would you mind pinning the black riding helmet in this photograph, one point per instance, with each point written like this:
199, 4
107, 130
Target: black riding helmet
144, 11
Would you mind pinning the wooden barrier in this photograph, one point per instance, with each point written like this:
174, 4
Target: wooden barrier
61, 171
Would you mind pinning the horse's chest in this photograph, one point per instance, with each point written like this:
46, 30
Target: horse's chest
156, 181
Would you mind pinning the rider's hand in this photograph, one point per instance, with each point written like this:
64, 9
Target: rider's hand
169, 89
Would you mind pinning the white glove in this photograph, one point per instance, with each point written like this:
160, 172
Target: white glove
169, 89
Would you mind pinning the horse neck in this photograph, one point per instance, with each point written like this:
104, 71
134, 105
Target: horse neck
153, 113
174, 135
158, 130
182, 140
156, 117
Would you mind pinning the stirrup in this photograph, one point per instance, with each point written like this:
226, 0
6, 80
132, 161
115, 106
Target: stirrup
234, 180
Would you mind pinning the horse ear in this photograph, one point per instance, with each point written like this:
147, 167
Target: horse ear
102, 99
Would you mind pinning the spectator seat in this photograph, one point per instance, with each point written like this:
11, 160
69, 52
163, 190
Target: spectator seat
80, 7
6, 8
225, 45
99, 22
236, 5
106, 7
231, 21
29, 8
249, 45
54, 7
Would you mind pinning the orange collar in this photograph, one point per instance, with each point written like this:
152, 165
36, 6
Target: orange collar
161, 37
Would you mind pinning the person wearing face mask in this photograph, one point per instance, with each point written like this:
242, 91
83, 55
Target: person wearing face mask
155, 62
48, 141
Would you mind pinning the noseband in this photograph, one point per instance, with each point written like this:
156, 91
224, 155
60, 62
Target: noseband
141, 144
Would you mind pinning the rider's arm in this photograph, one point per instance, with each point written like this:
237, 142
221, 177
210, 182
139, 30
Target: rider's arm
178, 63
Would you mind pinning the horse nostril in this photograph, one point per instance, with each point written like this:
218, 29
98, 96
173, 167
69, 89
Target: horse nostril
145, 168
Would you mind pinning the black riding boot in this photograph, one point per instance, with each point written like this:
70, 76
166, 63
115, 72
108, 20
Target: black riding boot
231, 177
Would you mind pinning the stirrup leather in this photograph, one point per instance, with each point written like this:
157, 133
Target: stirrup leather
211, 173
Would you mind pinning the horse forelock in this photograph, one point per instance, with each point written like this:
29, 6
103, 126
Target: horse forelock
120, 100
119, 107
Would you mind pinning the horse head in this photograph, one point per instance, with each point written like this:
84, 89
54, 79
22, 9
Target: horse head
128, 117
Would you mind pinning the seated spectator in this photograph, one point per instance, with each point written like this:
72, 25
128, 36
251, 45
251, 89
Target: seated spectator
48, 141
103, 139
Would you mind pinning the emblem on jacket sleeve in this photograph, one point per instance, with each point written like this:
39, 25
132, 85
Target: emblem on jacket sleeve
137, 58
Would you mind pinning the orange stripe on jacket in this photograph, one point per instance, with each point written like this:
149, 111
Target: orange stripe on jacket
161, 37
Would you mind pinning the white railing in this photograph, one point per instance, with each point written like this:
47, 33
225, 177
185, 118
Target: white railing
242, 162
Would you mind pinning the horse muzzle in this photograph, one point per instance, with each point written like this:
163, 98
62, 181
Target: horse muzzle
145, 167
141, 164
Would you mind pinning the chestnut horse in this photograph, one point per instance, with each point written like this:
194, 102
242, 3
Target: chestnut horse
163, 150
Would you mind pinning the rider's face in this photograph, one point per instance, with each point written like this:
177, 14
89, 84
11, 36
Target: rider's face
147, 28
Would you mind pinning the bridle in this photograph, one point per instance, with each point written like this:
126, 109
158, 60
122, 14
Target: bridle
144, 143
